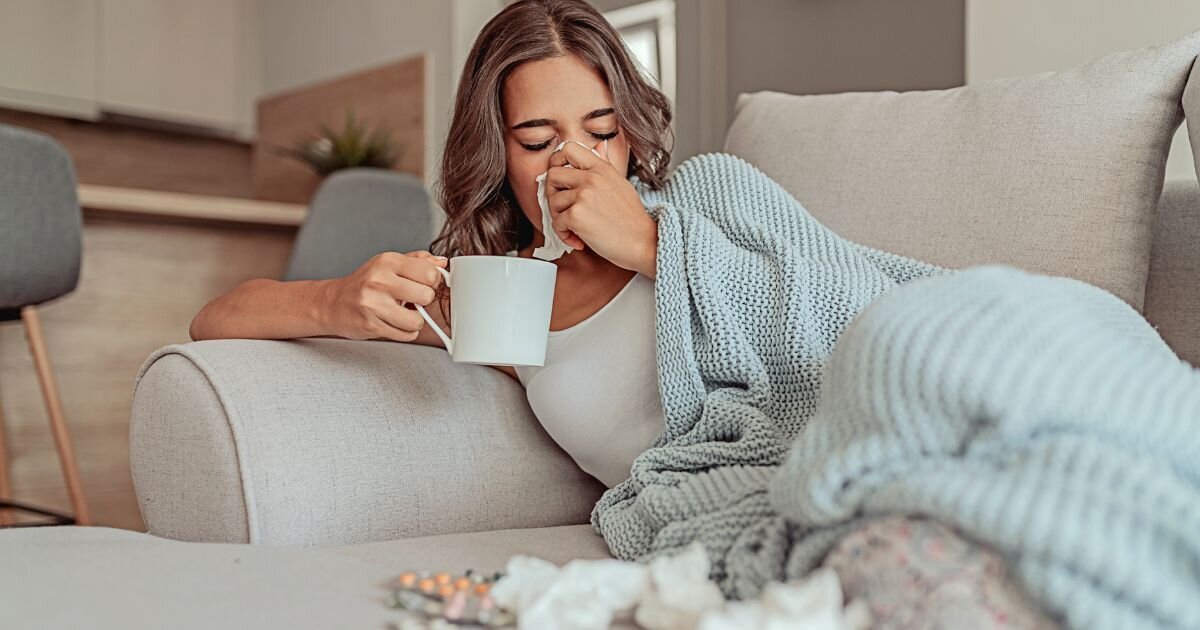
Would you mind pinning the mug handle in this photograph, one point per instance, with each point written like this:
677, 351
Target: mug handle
429, 320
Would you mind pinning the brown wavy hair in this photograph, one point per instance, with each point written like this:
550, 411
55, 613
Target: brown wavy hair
482, 215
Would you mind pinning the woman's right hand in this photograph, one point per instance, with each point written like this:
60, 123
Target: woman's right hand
368, 304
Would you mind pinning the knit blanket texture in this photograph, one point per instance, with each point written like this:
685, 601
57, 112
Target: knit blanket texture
810, 383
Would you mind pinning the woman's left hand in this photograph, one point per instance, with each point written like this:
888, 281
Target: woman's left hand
593, 205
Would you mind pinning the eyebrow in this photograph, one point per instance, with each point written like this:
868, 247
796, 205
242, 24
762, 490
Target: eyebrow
542, 122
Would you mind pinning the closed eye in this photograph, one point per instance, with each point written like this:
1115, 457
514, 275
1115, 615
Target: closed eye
543, 146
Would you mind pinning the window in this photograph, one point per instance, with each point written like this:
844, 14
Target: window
648, 29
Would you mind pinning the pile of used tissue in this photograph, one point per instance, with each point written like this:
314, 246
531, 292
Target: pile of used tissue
671, 593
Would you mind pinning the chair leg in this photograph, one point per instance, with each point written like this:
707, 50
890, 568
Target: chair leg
58, 424
5, 488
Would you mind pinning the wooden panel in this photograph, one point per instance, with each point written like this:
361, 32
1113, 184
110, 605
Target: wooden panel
112, 154
392, 95
141, 283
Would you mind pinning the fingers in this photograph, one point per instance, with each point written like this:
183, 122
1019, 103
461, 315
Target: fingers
574, 241
559, 202
562, 223
407, 280
576, 154
440, 261
562, 200
561, 217
561, 177
399, 319
406, 290
384, 330
416, 268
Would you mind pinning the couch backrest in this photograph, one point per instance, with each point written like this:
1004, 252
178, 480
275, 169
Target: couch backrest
1173, 285
1058, 173
1172, 294
1171, 276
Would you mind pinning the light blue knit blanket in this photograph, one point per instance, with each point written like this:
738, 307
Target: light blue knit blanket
806, 391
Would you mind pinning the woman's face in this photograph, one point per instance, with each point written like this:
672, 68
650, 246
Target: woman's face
546, 102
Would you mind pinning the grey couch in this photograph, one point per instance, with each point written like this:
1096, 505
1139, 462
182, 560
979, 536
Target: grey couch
333, 442
389, 450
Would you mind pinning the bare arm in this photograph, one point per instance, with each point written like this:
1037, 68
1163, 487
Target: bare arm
375, 302
367, 304
264, 309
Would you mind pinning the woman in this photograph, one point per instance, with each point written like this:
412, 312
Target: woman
540, 72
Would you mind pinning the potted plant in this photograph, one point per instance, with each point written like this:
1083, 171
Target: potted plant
353, 146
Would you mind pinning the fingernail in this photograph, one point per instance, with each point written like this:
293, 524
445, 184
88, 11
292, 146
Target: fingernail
441, 257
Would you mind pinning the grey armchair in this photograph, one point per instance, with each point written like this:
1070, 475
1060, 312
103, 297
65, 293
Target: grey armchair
40, 252
357, 213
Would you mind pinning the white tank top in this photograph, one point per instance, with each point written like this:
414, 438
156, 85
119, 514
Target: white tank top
597, 394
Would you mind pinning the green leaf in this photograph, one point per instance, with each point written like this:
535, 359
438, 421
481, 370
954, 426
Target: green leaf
354, 145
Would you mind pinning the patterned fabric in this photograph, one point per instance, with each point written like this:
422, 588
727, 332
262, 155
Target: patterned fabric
917, 574
1039, 415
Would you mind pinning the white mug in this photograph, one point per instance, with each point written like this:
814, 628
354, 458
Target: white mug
499, 309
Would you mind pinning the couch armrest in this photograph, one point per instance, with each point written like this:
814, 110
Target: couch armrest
331, 442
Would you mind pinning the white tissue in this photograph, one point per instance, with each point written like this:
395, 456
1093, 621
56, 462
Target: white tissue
814, 603
583, 594
553, 247
679, 593
671, 593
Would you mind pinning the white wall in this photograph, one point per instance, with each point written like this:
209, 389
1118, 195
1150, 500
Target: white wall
170, 60
1017, 37
179, 60
699, 109
823, 47
467, 18
47, 53
307, 41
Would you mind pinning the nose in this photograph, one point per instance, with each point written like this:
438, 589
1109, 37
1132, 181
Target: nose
585, 139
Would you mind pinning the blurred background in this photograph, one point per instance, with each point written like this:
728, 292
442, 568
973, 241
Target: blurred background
201, 131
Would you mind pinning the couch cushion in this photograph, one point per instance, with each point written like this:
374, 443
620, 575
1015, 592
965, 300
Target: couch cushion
1191, 109
486, 551
1173, 287
1057, 173
99, 577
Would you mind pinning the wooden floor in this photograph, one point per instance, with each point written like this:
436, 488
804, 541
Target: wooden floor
141, 282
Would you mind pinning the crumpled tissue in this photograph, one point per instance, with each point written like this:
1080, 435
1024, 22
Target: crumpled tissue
553, 246
813, 603
679, 592
671, 593
583, 594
